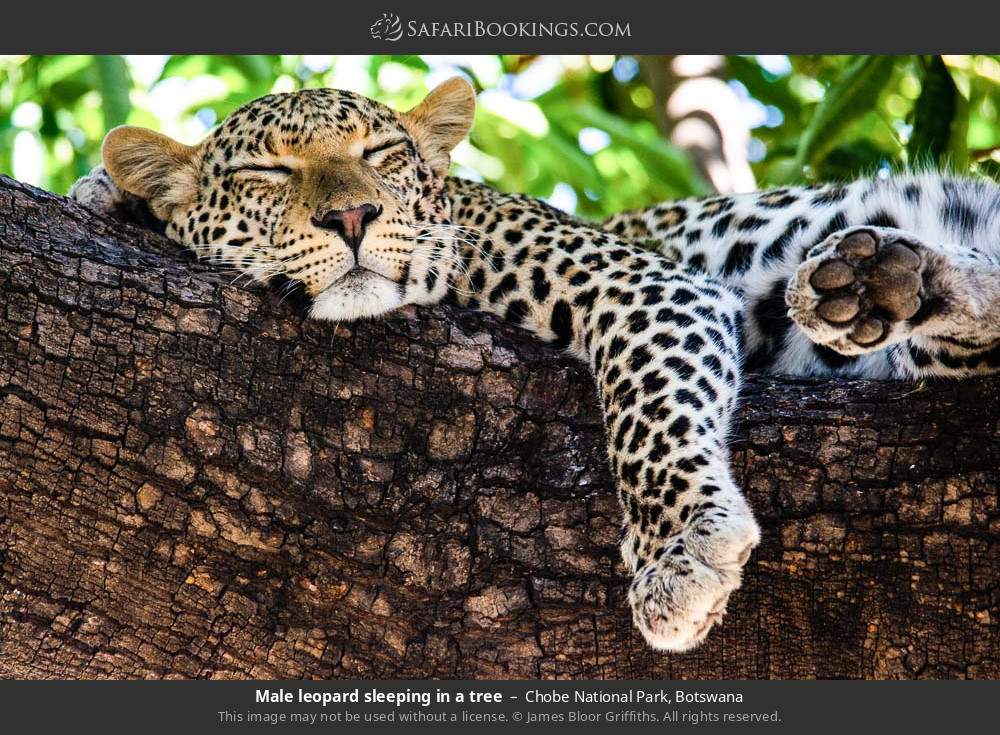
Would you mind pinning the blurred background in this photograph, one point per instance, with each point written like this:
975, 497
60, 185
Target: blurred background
591, 134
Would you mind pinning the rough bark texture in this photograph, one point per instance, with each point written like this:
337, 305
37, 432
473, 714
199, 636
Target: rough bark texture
195, 482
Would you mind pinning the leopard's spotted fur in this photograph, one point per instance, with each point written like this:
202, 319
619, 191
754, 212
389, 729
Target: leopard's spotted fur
349, 201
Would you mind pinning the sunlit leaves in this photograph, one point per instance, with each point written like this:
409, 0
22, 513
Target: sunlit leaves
852, 116
828, 117
114, 84
670, 170
854, 95
940, 119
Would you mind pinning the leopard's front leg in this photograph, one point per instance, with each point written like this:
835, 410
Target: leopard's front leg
663, 345
667, 365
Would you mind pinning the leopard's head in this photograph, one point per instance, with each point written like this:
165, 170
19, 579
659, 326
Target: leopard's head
324, 189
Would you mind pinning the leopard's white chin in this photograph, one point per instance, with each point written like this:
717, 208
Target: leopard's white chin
360, 294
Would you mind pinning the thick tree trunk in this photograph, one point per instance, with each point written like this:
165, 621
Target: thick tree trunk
196, 482
699, 113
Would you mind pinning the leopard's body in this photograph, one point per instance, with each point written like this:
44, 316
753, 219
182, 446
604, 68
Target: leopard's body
349, 200
758, 242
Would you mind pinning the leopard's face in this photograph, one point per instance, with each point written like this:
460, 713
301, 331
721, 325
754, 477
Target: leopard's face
325, 189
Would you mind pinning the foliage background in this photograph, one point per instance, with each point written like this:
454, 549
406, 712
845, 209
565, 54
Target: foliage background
585, 132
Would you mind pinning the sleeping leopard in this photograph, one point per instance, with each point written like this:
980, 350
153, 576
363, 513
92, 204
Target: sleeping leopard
349, 203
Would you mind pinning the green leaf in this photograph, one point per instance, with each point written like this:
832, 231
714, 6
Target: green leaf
567, 162
414, 62
185, 66
667, 164
52, 69
940, 118
256, 69
782, 170
114, 83
768, 91
853, 95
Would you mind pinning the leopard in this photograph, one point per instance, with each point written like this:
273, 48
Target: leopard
349, 204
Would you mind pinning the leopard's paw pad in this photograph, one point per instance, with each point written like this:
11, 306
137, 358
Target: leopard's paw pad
859, 288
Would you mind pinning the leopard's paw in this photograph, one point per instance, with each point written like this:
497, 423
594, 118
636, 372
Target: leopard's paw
678, 596
862, 289
98, 192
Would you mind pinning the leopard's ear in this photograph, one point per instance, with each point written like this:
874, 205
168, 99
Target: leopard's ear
152, 166
440, 122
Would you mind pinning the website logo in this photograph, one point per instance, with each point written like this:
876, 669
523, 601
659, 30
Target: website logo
390, 28
387, 28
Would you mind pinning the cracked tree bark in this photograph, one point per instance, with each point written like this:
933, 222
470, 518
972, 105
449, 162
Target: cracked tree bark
196, 482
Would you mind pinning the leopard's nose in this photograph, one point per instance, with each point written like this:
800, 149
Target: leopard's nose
350, 223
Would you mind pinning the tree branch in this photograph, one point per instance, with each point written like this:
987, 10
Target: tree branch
196, 482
